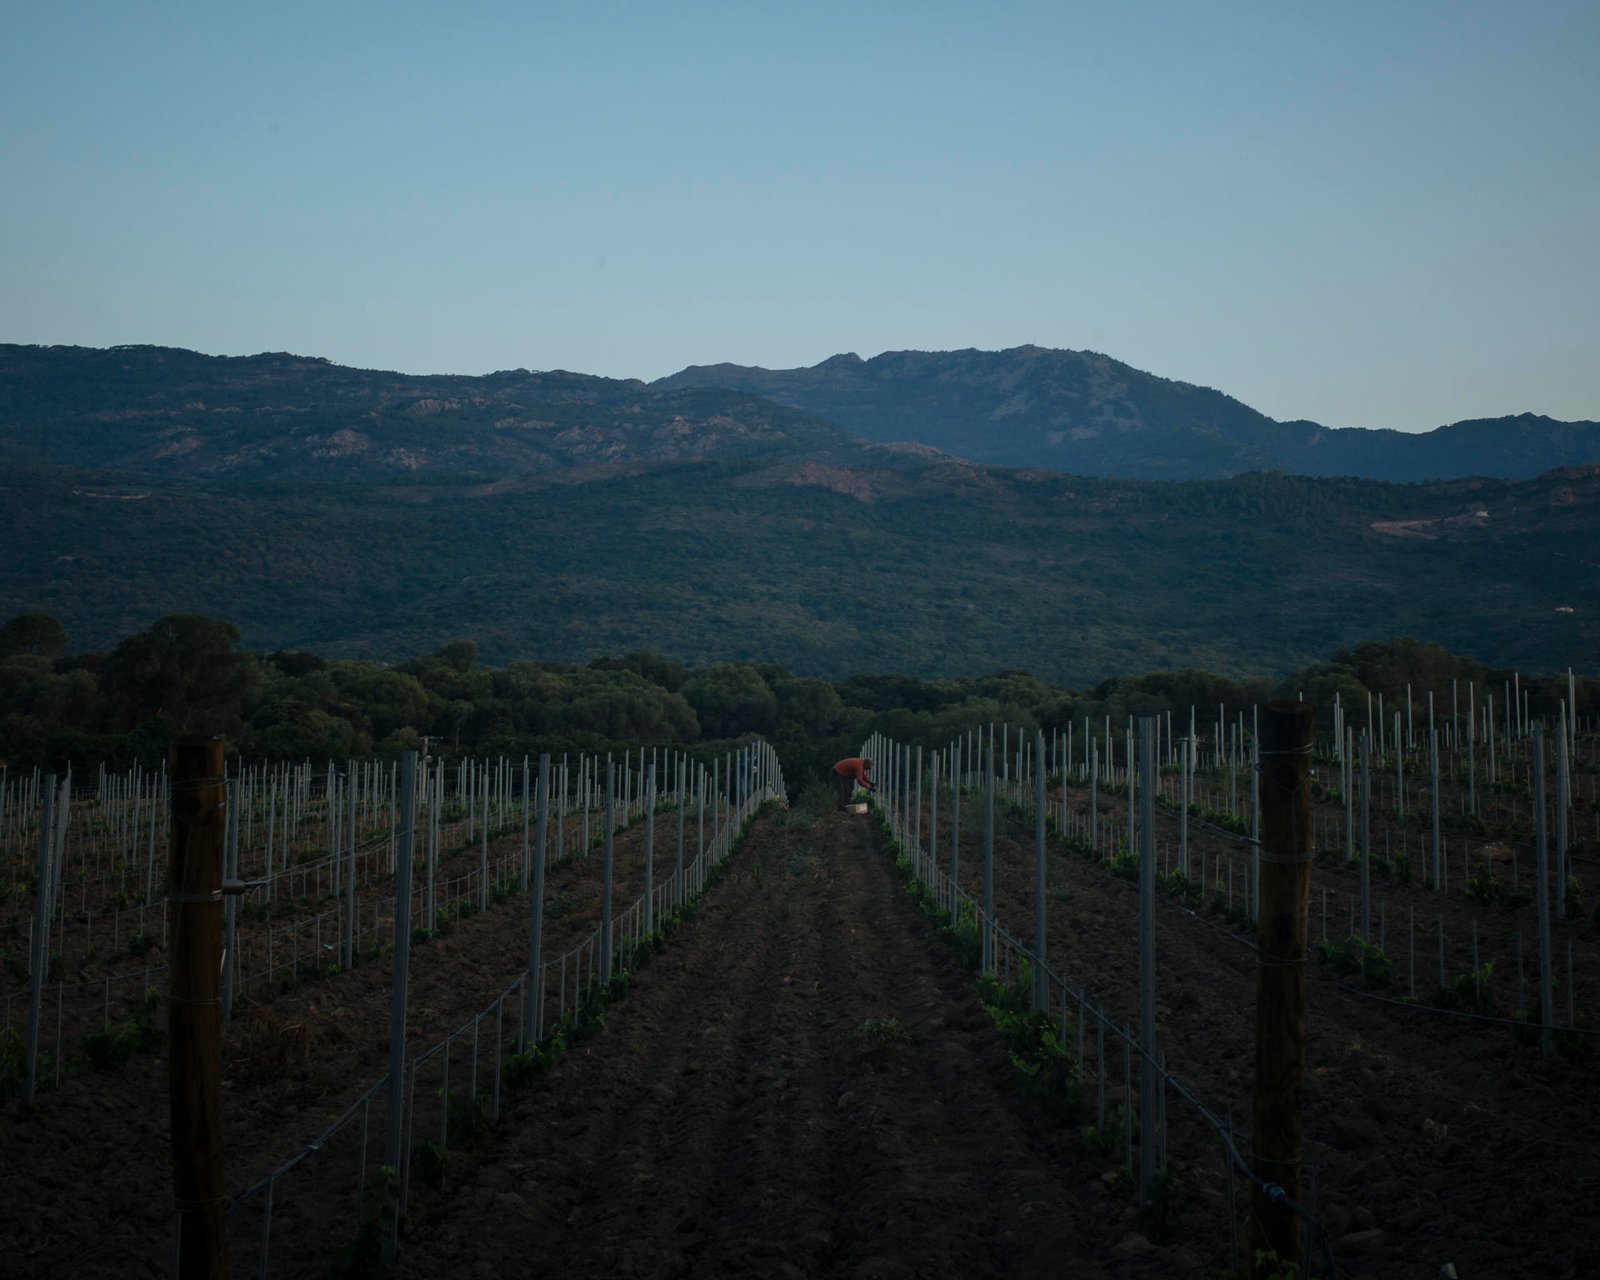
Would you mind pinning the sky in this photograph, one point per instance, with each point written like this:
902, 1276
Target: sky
1365, 214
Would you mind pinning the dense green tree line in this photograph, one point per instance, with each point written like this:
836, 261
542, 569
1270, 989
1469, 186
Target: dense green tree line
187, 673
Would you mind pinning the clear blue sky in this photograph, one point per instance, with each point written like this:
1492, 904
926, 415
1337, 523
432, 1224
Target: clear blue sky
1368, 214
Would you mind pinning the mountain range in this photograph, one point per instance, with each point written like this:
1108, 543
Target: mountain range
561, 516
1087, 414
164, 411
161, 412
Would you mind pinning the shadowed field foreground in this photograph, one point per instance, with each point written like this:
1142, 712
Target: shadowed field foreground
803, 1083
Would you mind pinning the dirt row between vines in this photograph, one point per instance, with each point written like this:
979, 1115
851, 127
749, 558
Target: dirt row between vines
738, 1116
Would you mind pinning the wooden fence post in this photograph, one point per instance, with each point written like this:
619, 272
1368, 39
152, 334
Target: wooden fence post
1275, 1140
194, 1014
403, 832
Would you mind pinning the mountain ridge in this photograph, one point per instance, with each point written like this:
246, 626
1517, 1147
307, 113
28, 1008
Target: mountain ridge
176, 414
169, 411
1086, 413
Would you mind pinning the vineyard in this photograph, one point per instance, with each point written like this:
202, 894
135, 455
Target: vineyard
1444, 1109
658, 1021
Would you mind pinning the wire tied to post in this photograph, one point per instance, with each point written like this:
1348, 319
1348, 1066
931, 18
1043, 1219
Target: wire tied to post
1263, 961
192, 1206
1282, 1160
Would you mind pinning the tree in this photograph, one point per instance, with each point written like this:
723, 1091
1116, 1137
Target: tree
666, 672
187, 670
731, 699
882, 692
309, 734
390, 700
41, 710
813, 706
623, 706
36, 634
1389, 665
460, 654
296, 662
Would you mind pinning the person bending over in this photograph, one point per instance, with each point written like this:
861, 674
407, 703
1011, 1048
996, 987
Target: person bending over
847, 774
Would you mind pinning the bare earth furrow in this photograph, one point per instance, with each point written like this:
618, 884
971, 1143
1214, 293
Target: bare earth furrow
735, 1118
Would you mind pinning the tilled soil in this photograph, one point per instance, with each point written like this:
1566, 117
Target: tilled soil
85, 1188
802, 1083
1433, 1140
751, 1110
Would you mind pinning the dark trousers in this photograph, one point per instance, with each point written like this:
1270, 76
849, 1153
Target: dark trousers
844, 784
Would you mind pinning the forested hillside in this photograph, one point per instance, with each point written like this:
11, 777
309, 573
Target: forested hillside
941, 570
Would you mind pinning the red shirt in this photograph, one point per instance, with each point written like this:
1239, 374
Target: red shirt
854, 767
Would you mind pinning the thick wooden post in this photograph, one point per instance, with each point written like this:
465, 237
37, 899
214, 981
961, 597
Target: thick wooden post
1041, 985
39, 953
606, 944
1149, 1086
194, 1014
404, 831
533, 1013
1275, 1139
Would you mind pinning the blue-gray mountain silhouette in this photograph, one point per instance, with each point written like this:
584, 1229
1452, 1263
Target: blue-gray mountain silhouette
1086, 414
